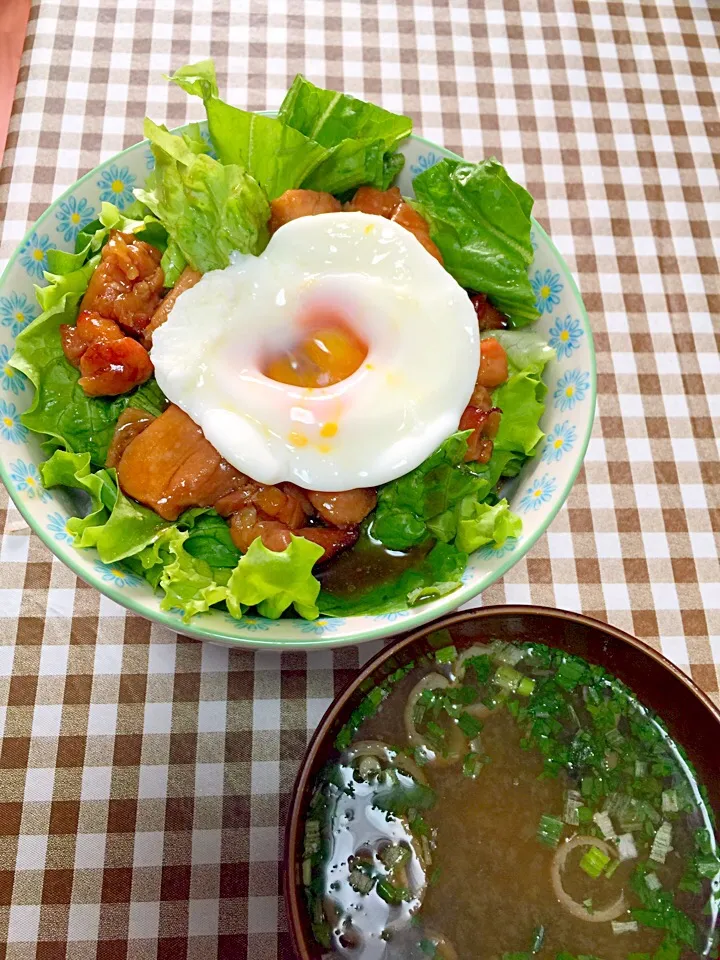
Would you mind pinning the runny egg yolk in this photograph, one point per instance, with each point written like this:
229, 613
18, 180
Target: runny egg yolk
328, 351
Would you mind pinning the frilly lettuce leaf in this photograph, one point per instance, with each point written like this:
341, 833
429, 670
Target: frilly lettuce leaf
482, 523
208, 209
197, 79
480, 220
116, 526
526, 349
442, 498
522, 401
193, 561
273, 581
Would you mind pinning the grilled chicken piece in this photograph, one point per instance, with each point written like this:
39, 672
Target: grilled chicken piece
249, 524
131, 422
390, 204
300, 203
188, 278
90, 327
344, 509
127, 283
489, 317
170, 466
112, 367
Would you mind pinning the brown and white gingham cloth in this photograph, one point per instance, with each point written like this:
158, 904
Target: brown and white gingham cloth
144, 776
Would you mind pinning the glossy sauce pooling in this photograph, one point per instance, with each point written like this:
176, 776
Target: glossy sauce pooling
478, 884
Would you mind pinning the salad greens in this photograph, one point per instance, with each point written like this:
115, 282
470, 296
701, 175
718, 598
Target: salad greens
197, 210
480, 220
444, 499
209, 209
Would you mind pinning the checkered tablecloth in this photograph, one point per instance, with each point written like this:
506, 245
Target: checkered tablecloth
144, 776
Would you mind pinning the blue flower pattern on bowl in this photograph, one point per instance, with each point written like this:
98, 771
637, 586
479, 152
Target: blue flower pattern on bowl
149, 161
322, 626
10, 427
424, 162
547, 287
16, 312
391, 616
33, 254
57, 526
565, 335
116, 186
72, 216
491, 552
117, 575
559, 441
10, 379
571, 389
252, 624
539, 492
26, 478
569, 372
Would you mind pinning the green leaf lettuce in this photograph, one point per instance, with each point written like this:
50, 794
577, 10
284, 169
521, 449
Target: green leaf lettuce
209, 209
480, 220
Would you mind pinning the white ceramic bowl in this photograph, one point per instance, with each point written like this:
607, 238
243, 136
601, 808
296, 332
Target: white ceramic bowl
537, 494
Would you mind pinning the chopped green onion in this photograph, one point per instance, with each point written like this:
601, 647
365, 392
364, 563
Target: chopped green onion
569, 674
436, 733
708, 868
670, 802
446, 654
312, 837
508, 653
538, 939
661, 845
526, 687
573, 802
549, 830
628, 927
594, 861
507, 677
361, 882
626, 847
640, 769
392, 894
394, 855
473, 764
585, 814
428, 948
652, 882
469, 725
588, 904
439, 638
307, 872
611, 868
604, 823
482, 667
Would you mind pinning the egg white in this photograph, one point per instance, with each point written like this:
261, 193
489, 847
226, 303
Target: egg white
388, 416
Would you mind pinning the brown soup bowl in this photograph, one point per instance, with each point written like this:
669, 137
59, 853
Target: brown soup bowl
691, 717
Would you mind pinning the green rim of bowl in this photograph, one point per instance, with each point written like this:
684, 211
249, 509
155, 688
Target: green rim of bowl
419, 616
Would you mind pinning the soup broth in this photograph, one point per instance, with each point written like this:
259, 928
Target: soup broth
509, 801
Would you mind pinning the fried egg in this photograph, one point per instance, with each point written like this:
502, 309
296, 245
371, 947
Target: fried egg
339, 358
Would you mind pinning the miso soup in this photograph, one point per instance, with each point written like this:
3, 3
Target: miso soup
508, 802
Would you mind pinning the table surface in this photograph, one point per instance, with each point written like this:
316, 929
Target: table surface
144, 776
